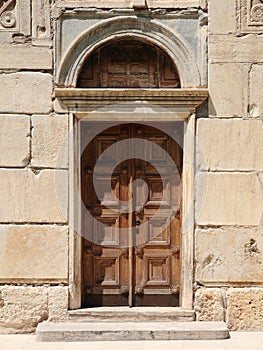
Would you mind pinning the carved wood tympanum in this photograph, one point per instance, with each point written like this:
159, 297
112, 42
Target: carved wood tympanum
129, 64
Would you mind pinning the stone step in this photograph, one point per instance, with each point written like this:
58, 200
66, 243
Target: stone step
127, 314
117, 331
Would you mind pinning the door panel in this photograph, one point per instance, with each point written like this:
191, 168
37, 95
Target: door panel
156, 263
131, 256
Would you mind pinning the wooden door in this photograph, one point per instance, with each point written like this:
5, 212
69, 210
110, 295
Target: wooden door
131, 257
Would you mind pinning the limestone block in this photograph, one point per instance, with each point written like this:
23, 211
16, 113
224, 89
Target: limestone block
230, 144
50, 141
31, 253
260, 176
41, 30
25, 57
209, 305
222, 16
228, 89
229, 255
230, 48
204, 4
228, 199
59, 106
130, 3
256, 91
14, 140
22, 308
26, 92
58, 298
245, 309
28, 196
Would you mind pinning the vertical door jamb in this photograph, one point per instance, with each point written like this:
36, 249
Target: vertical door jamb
188, 220
75, 239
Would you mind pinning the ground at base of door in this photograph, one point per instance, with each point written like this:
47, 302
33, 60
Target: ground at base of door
124, 331
237, 340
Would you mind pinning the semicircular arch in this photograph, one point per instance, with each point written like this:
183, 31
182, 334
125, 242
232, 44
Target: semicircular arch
128, 27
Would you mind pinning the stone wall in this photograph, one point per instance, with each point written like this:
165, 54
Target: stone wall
33, 174
34, 259
229, 246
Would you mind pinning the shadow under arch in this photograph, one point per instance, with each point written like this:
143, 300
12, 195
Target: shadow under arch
133, 27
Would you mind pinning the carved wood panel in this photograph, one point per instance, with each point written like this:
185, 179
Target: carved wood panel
155, 225
129, 64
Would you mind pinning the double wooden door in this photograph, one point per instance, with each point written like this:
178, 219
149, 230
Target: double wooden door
131, 191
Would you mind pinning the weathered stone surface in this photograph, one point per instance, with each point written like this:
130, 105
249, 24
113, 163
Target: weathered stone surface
41, 30
245, 309
14, 140
22, 23
33, 197
22, 308
260, 179
59, 106
249, 16
57, 303
222, 14
229, 255
31, 253
111, 331
50, 141
131, 3
228, 199
209, 305
134, 314
230, 48
26, 92
228, 89
230, 144
25, 57
255, 94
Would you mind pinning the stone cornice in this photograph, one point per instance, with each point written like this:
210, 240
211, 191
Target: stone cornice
183, 101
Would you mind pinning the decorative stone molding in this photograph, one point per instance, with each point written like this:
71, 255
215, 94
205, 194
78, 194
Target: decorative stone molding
250, 14
255, 9
180, 102
14, 19
7, 14
16, 24
41, 31
132, 3
134, 27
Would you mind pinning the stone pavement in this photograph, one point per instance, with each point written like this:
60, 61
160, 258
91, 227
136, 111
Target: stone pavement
239, 340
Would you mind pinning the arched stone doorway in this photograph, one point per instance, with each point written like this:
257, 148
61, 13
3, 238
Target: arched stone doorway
131, 104
128, 63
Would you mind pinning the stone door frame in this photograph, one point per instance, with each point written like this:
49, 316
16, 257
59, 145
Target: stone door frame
181, 104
